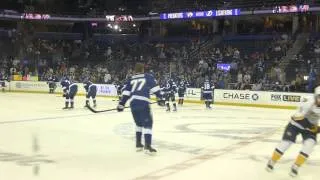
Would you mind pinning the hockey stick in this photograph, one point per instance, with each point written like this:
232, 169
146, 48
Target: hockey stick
107, 110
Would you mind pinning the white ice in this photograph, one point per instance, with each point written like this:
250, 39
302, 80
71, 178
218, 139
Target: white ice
39, 140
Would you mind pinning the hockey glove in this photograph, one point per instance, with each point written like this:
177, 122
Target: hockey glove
297, 117
120, 108
314, 129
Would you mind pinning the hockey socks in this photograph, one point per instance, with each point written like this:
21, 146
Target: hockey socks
174, 107
138, 138
94, 103
72, 104
147, 139
208, 104
66, 104
139, 145
168, 106
308, 146
180, 102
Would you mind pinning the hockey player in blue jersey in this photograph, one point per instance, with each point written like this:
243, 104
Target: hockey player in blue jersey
91, 92
138, 88
70, 90
182, 88
120, 88
208, 90
170, 90
3, 80
52, 83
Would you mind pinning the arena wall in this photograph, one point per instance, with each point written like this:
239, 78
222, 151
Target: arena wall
280, 100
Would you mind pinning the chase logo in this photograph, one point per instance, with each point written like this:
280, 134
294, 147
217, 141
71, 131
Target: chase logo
241, 96
255, 97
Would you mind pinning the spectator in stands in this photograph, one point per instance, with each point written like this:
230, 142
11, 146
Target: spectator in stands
13, 70
233, 70
299, 82
236, 54
311, 81
257, 86
239, 80
317, 48
107, 78
246, 81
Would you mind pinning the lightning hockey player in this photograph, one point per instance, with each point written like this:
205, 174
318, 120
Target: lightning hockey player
182, 88
52, 83
91, 92
207, 90
304, 122
170, 90
120, 88
3, 80
138, 88
70, 90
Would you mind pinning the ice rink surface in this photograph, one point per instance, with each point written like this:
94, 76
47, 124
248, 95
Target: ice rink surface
39, 140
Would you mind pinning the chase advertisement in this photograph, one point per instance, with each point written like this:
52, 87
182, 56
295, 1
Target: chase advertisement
260, 97
241, 96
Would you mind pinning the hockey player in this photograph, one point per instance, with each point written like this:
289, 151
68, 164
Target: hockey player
207, 91
91, 92
304, 122
3, 82
138, 89
170, 89
182, 88
120, 88
70, 90
52, 83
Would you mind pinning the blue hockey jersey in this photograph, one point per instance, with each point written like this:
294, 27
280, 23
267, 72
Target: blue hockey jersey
138, 88
208, 87
66, 85
182, 87
170, 87
90, 87
52, 79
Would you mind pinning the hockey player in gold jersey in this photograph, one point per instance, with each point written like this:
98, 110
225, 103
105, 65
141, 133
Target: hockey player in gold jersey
304, 122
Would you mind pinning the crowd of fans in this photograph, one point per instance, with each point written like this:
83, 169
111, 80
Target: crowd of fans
112, 63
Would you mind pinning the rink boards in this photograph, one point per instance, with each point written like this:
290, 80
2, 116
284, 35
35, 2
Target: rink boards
282, 100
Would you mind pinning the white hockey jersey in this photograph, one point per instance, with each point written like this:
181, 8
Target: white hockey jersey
308, 111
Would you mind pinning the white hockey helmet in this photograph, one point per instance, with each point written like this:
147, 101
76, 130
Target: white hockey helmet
317, 91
